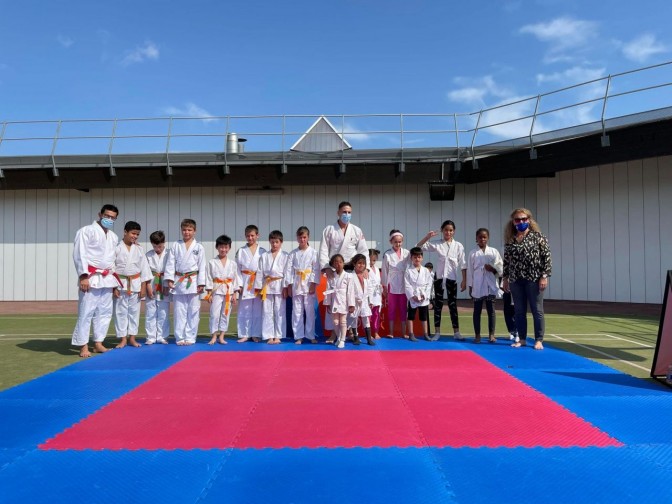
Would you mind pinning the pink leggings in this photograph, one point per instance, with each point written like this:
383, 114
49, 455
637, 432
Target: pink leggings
375, 319
396, 307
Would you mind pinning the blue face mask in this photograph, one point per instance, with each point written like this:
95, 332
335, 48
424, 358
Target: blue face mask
107, 223
522, 226
345, 218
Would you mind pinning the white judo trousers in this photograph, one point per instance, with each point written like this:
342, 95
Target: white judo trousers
127, 314
187, 315
219, 320
94, 307
157, 320
273, 323
249, 305
303, 303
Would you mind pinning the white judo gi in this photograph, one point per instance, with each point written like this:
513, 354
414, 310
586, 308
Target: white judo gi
392, 273
133, 269
157, 310
302, 270
270, 280
418, 283
93, 254
336, 241
249, 305
222, 282
375, 286
187, 269
361, 293
483, 283
339, 297
451, 260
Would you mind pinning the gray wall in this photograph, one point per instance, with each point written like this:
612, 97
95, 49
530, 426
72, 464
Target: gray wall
608, 225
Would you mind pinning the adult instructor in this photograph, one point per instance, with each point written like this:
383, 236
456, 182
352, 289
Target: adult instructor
94, 254
341, 238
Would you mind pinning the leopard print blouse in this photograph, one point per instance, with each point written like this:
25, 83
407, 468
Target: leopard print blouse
527, 260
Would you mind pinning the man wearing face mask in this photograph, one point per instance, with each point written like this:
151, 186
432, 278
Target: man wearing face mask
341, 238
94, 254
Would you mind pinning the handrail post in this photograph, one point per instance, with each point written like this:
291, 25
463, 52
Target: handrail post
54, 169
605, 138
169, 169
402, 165
113, 171
533, 151
2, 135
458, 163
474, 162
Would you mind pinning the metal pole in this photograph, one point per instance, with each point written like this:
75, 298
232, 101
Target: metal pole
113, 172
54, 170
169, 169
533, 151
605, 138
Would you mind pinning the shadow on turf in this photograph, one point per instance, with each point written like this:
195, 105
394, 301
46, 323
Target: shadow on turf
60, 346
619, 379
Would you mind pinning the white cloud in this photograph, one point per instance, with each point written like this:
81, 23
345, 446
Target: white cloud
65, 41
190, 109
475, 91
562, 34
643, 47
140, 54
574, 75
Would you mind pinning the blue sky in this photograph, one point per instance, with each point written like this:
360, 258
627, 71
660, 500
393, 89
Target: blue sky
91, 59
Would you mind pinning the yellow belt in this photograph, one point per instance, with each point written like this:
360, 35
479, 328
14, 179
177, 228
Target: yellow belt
267, 281
303, 273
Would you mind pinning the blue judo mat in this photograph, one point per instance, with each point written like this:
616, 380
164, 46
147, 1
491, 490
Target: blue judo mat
635, 412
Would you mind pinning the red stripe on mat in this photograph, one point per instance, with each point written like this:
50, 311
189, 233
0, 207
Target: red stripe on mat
331, 399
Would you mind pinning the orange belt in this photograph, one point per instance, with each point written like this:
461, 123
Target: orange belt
188, 276
267, 281
157, 283
129, 279
217, 283
303, 273
250, 281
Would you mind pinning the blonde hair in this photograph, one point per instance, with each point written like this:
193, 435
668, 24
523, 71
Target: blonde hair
510, 228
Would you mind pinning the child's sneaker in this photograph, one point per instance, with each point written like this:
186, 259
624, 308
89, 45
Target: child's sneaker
458, 336
436, 336
341, 344
516, 339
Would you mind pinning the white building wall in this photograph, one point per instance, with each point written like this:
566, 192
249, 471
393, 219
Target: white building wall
608, 226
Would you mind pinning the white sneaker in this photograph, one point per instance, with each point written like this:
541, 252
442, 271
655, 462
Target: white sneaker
341, 344
437, 336
517, 339
458, 336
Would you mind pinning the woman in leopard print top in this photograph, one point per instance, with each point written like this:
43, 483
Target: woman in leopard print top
527, 267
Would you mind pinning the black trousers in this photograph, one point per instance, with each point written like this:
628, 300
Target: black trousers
451, 294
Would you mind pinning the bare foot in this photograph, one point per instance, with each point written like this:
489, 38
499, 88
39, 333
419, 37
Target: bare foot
122, 343
331, 340
188, 343
181, 343
313, 340
162, 341
538, 345
99, 348
149, 342
221, 339
133, 343
298, 342
376, 336
256, 339
213, 340
84, 352
270, 341
277, 341
389, 336
243, 339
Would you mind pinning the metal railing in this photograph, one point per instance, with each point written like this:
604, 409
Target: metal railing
497, 126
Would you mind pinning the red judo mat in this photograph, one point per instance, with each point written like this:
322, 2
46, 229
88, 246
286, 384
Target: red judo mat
311, 399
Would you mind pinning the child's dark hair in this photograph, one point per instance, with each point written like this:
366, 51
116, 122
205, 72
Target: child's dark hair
188, 223
109, 207
482, 230
275, 235
303, 230
132, 226
334, 257
251, 227
373, 251
395, 231
222, 240
357, 258
429, 265
448, 223
157, 237
416, 251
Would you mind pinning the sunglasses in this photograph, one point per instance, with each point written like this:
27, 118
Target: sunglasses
520, 219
